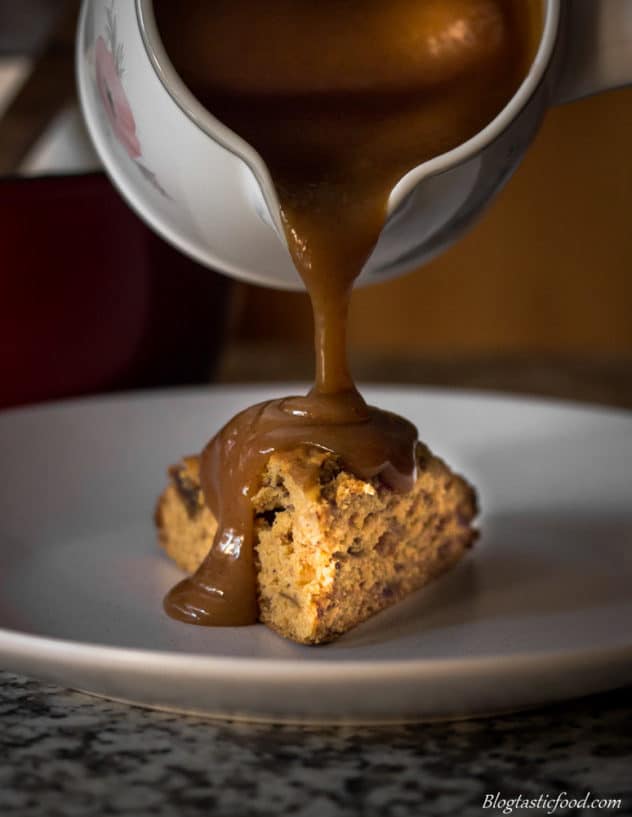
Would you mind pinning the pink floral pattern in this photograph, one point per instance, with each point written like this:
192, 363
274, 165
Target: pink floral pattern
109, 68
115, 100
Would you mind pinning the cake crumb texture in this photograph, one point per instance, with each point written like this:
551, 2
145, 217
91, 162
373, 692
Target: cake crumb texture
331, 549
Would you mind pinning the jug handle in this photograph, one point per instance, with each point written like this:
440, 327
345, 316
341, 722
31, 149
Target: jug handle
598, 48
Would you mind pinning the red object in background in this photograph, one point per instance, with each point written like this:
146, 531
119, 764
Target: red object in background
92, 301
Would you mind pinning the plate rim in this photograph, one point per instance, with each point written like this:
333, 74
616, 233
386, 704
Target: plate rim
202, 390
287, 668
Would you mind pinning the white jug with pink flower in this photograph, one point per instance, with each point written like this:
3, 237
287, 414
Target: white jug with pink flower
209, 193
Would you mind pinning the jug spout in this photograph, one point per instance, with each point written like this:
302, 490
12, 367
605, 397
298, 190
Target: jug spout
598, 48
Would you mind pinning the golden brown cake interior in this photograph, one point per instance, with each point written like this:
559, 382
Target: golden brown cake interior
331, 549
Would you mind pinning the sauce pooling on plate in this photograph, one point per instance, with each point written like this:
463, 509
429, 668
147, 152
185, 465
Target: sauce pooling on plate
340, 99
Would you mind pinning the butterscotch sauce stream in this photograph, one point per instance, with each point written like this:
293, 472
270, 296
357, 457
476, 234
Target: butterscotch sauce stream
341, 99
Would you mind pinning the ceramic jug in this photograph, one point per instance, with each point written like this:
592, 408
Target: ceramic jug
208, 192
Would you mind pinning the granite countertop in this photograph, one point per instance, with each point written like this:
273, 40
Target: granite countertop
65, 753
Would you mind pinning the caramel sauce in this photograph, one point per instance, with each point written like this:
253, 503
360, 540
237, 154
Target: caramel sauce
341, 98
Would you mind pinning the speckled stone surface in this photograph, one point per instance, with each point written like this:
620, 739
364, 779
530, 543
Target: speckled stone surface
63, 753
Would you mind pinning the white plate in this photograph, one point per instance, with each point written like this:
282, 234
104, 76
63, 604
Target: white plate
540, 611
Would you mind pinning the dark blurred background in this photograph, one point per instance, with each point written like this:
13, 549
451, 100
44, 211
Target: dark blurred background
537, 298
90, 299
